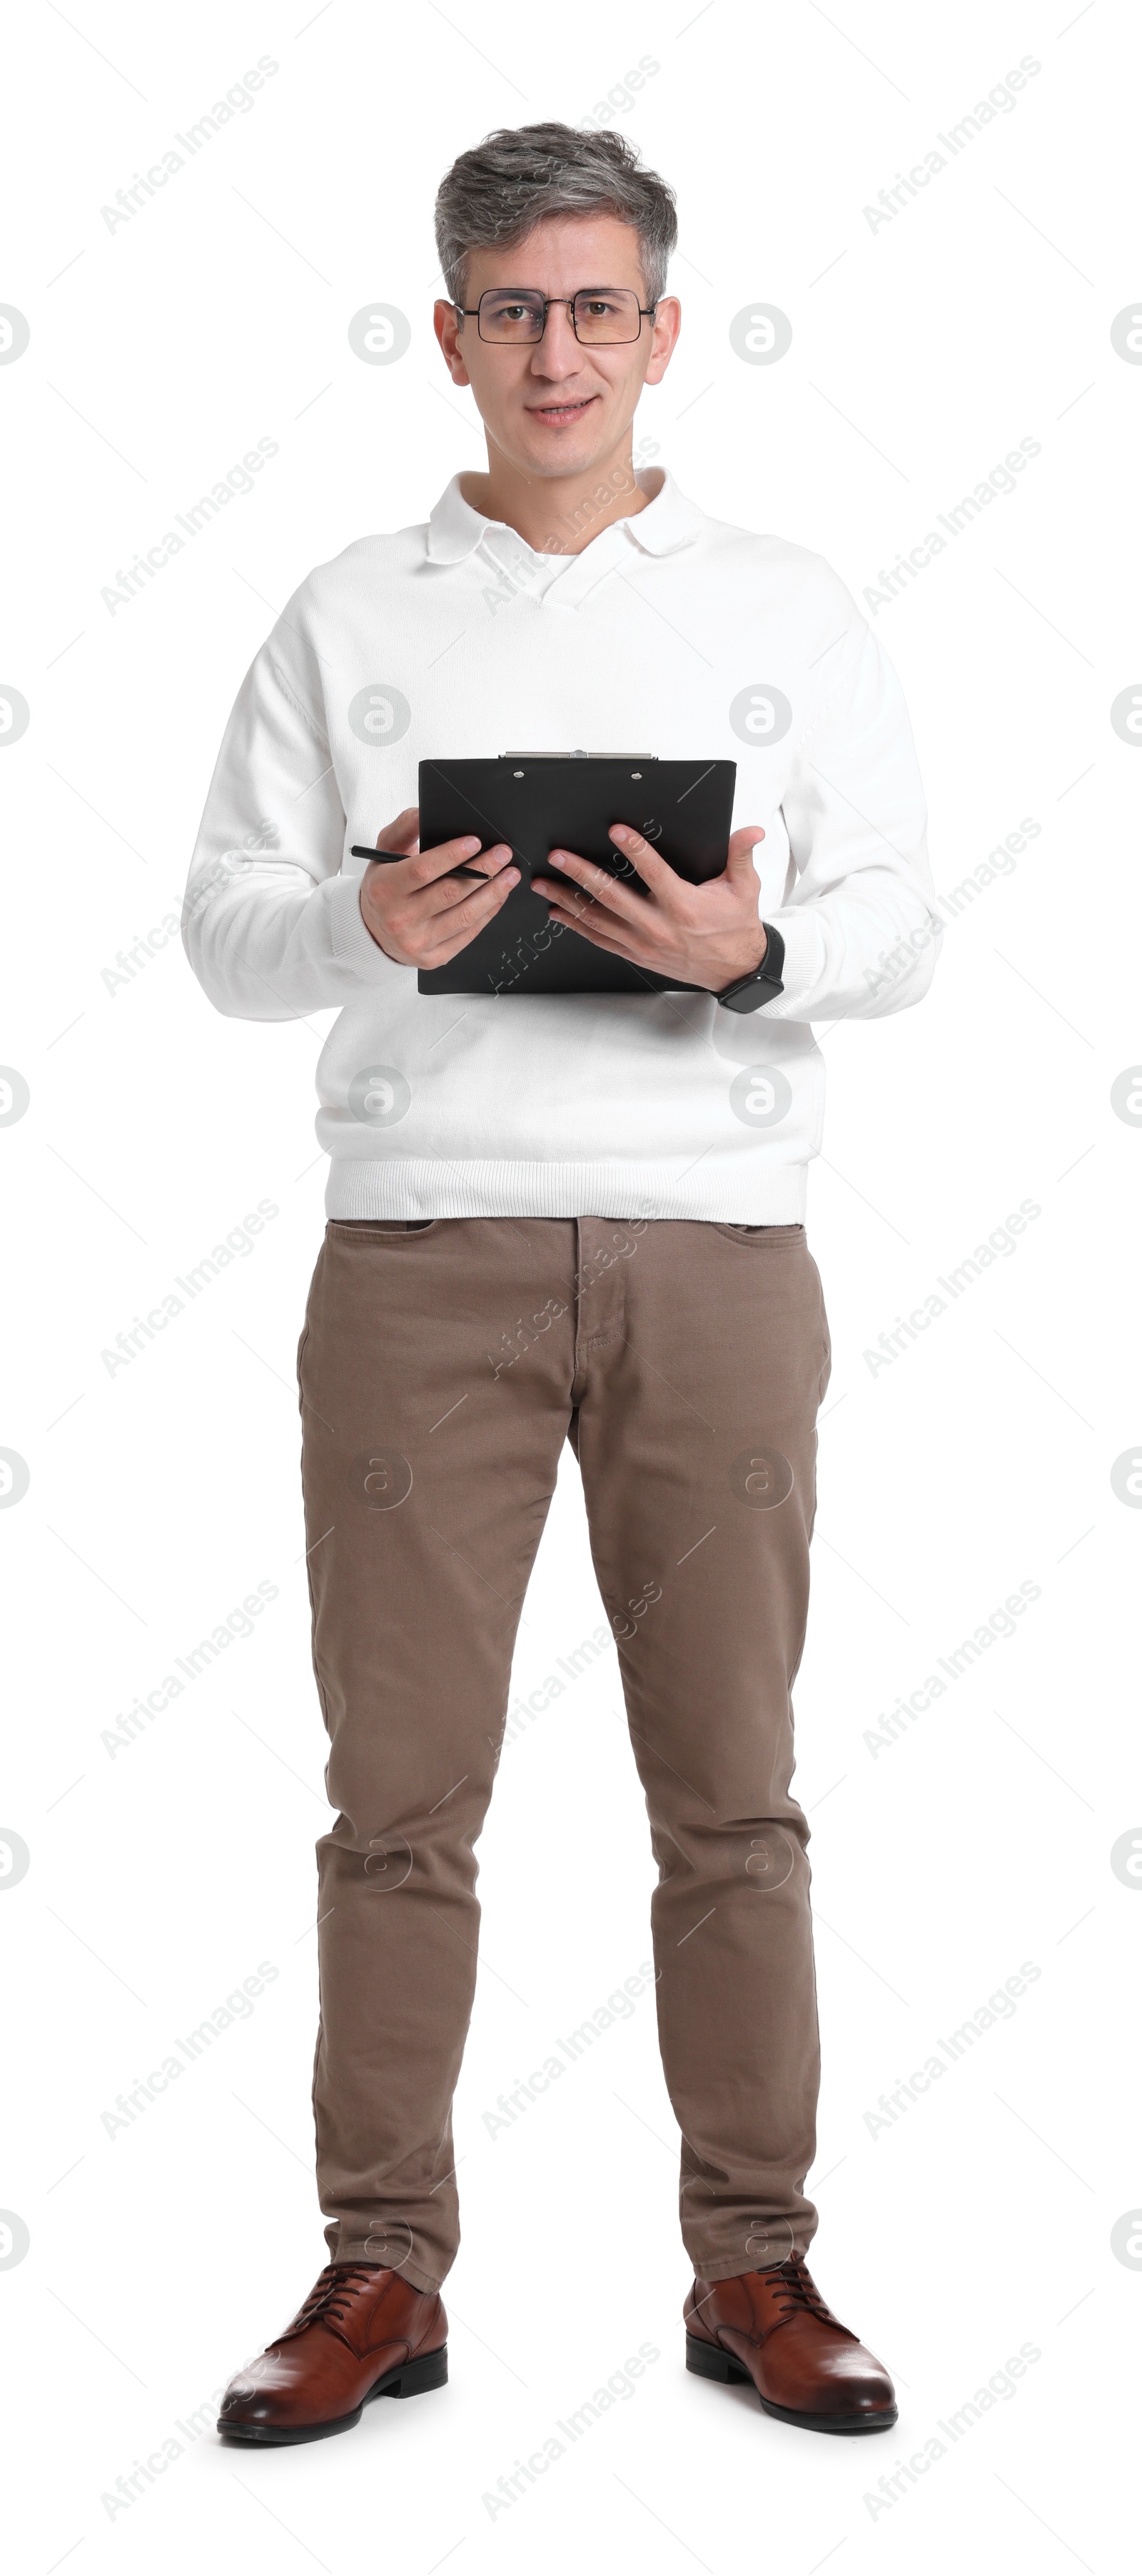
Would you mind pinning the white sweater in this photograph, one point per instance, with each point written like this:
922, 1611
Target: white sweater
576, 1104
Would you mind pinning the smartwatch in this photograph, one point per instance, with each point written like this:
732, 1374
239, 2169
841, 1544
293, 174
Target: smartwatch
764, 985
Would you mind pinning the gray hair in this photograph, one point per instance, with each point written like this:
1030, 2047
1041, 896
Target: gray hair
494, 194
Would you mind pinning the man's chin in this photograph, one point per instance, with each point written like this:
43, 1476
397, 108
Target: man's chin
563, 447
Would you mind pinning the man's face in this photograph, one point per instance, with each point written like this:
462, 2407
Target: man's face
553, 406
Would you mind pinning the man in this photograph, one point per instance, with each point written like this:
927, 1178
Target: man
569, 1216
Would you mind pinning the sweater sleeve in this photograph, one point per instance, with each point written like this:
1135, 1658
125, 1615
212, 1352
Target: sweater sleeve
271, 927
859, 926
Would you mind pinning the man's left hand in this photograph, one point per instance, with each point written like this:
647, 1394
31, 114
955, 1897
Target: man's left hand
708, 935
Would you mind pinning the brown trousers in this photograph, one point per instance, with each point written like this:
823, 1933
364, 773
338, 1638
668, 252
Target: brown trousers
441, 1368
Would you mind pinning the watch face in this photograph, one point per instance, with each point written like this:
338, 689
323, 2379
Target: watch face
765, 983
761, 988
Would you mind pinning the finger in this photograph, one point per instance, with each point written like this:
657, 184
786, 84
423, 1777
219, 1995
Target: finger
614, 940
626, 957
430, 864
581, 913
458, 921
401, 833
597, 882
447, 893
457, 927
652, 869
579, 910
556, 890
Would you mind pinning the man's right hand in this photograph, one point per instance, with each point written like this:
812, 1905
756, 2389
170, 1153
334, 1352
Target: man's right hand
419, 914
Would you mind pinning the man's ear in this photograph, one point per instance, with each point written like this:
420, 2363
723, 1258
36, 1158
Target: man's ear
448, 331
665, 329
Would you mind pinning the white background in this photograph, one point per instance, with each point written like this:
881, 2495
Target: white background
980, 2220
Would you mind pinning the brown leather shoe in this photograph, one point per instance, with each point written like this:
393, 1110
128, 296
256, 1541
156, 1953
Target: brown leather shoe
773, 2327
363, 2332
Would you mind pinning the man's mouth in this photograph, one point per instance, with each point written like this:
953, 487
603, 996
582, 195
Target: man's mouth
557, 413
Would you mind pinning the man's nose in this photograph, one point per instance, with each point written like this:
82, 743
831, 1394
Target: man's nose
558, 349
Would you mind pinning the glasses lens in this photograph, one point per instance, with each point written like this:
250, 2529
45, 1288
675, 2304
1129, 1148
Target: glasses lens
508, 313
607, 313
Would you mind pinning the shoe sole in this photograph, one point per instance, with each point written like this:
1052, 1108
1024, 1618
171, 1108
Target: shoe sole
709, 2361
410, 2379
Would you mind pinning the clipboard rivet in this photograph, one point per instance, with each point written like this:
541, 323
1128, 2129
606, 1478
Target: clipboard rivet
517, 773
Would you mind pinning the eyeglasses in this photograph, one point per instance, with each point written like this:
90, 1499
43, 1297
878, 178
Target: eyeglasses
601, 316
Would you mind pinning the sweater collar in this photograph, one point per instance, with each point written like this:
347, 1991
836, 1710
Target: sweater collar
668, 522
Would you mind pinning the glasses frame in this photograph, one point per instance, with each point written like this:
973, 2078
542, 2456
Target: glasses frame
473, 311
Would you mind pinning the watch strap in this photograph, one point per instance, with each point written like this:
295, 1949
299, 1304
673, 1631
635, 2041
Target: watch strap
765, 981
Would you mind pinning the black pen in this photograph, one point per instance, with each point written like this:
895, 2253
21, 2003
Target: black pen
390, 859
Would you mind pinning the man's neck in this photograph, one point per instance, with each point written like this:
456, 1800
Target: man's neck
557, 515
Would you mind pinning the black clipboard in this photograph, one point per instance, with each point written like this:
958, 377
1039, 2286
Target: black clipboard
535, 803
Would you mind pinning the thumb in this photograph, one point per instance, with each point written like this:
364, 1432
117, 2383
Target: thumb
739, 859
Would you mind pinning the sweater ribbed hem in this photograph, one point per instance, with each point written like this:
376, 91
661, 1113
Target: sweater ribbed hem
728, 1195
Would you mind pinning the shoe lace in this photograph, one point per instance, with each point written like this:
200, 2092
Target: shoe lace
332, 2296
798, 2291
